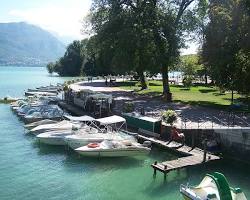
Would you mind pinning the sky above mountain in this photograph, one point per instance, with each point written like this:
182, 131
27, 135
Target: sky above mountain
62, 17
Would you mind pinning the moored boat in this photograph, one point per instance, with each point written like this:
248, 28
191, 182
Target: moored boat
71, 123
78, 140
58, 137
62, 125
54, 137
109, 129
214, 186
38, 123
113, 148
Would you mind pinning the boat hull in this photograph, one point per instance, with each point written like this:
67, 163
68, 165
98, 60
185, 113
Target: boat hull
32, 120
58, 141
76, 143
41, 122
116, 153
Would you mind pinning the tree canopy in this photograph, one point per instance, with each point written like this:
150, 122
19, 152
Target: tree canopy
145, 36
226, 48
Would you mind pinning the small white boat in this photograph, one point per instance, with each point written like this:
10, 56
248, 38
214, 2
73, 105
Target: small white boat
39, 93
79, 140
62, 125
75, 122
54, 137
111, 130
214, 186
43, 90
58, 137
38, 123
113, 149
51, 113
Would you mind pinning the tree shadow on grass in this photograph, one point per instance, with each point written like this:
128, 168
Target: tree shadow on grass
205, 103
151, 94
154, 84
177, 86
126, 83
208, 90
218, 94
245, 100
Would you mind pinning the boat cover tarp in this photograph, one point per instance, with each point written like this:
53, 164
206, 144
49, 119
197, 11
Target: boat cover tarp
111, 120
84, 118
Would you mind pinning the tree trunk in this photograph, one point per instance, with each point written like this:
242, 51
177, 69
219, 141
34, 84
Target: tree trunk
232, 98
205, 76
143, 81
166, 89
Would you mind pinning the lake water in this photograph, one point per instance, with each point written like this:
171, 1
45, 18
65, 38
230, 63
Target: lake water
15, 80
32, 172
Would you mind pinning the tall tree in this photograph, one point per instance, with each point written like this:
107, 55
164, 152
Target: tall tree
142, 35
226, 48
178, 18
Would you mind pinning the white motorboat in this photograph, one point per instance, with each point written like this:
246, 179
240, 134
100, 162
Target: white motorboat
17, 104
43, 90
54, 137
41, 122
79, 140
62, 125
50, 113
106, 132
113, 149
39, 93
58, 137
214, 186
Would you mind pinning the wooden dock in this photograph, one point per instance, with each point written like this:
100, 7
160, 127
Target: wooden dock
192, 156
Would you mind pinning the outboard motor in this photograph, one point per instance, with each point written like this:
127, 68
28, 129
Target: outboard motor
147, 144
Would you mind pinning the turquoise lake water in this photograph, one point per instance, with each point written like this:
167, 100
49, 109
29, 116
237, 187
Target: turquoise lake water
32, 172
15, 80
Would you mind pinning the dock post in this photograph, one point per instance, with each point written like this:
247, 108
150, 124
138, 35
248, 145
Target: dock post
165, 172
205, 150
193, 144
155, 169
165, 176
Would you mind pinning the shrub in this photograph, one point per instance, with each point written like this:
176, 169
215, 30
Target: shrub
187, 81
128, 107
138, 84
65, 87
169, 116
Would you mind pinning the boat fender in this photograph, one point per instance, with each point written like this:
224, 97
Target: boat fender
93, 145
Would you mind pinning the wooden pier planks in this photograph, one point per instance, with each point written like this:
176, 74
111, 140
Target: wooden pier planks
193, 156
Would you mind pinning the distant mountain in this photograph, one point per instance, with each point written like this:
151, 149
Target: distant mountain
26, 44
66, 40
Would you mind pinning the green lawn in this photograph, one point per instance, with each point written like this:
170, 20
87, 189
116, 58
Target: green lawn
196, 95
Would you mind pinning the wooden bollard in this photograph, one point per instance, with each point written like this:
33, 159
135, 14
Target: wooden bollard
155, 163
205, 151
193, 140
165, 173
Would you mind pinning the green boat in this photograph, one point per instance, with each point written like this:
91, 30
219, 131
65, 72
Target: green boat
214, 186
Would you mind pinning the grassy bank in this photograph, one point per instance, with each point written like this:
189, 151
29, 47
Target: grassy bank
195, 95
6, 101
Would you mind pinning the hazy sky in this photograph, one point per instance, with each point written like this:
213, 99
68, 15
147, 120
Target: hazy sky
60, 16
